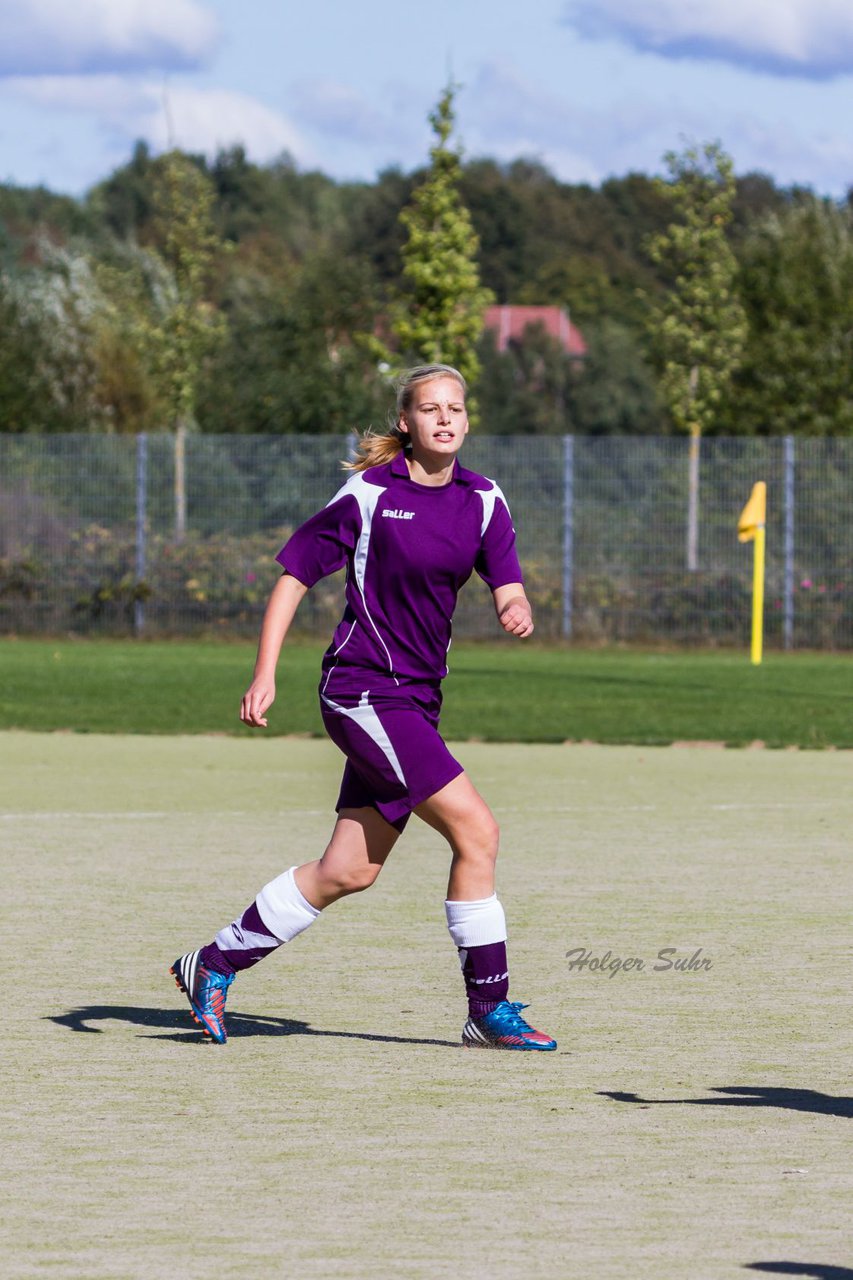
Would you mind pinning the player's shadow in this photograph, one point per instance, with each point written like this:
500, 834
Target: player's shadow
817, 1270
822, 1104
180, 1029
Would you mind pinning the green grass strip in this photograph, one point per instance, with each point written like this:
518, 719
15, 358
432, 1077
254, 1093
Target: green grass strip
505, 692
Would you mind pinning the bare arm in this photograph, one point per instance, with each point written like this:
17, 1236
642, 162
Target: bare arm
283, 603
513, 609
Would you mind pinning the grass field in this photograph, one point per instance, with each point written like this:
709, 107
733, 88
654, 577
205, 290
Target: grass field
496, 693
692, 1124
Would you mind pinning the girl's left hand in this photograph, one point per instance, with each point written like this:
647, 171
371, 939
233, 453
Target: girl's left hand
516, 618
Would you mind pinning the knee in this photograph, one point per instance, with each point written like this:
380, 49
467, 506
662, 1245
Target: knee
490, 835
481, 839
341, 881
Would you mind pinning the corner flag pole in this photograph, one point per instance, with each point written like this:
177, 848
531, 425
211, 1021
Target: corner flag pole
751, 528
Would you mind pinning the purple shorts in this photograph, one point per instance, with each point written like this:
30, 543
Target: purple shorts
396, 757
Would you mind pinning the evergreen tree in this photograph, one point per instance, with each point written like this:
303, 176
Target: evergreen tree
440, 314
698, 326
189, 327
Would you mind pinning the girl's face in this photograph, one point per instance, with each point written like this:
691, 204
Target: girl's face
436, 420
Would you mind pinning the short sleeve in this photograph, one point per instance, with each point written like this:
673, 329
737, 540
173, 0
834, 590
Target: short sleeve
497, 561
321, 545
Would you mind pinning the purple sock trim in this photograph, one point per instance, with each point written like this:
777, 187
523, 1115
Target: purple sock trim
479, 1008
243, 954
246, 959
486, 977
212, 958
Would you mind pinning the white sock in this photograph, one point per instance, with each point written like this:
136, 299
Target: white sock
475, 924
283, 909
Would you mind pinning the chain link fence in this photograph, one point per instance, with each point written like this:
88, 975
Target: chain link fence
105, 534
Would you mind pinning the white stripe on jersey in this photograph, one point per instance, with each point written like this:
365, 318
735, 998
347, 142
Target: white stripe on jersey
489, 497
335, 655
367, 496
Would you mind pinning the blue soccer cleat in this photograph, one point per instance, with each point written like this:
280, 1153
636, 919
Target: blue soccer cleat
504, 1028
206, 992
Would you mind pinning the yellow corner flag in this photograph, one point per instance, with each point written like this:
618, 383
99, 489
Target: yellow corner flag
754, 515
750, 528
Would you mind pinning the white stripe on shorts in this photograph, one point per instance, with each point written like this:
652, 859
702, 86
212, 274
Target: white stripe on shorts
365, 716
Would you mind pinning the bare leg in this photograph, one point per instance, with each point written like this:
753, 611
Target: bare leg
356, 853
462, 816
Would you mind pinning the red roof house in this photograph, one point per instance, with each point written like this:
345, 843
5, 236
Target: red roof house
509, 323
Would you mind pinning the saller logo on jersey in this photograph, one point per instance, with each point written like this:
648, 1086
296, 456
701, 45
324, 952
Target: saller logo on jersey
393, 513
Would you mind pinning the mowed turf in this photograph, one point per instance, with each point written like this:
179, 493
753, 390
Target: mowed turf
503, 692
693, 1123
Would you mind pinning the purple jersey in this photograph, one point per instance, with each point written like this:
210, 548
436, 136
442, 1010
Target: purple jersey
408, 548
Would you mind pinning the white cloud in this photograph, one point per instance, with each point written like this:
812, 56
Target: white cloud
193, 119
207, 119
54, 37
506, 117
809, 38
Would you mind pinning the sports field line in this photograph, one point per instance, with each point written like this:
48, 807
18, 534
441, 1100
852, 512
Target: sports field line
586, 809
111, 815
744, 806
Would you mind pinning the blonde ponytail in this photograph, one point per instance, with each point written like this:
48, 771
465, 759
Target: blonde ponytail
374, 449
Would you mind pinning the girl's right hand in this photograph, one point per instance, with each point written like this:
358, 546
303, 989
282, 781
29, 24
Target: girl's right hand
257, 700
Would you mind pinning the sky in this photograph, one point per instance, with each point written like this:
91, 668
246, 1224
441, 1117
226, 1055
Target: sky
591, 88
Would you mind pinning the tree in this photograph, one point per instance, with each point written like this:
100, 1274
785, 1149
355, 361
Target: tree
26, 399
440, 314
524, 389
796, 280
188, 328
133, 283
699, 326
615, 392
290, 363
123, 201
535, 387
54, 308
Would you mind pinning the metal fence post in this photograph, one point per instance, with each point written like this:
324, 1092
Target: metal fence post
181, 481
788, 593
141, 510
693, 499
568, 530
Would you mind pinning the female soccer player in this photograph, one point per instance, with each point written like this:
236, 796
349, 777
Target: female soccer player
410, 525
